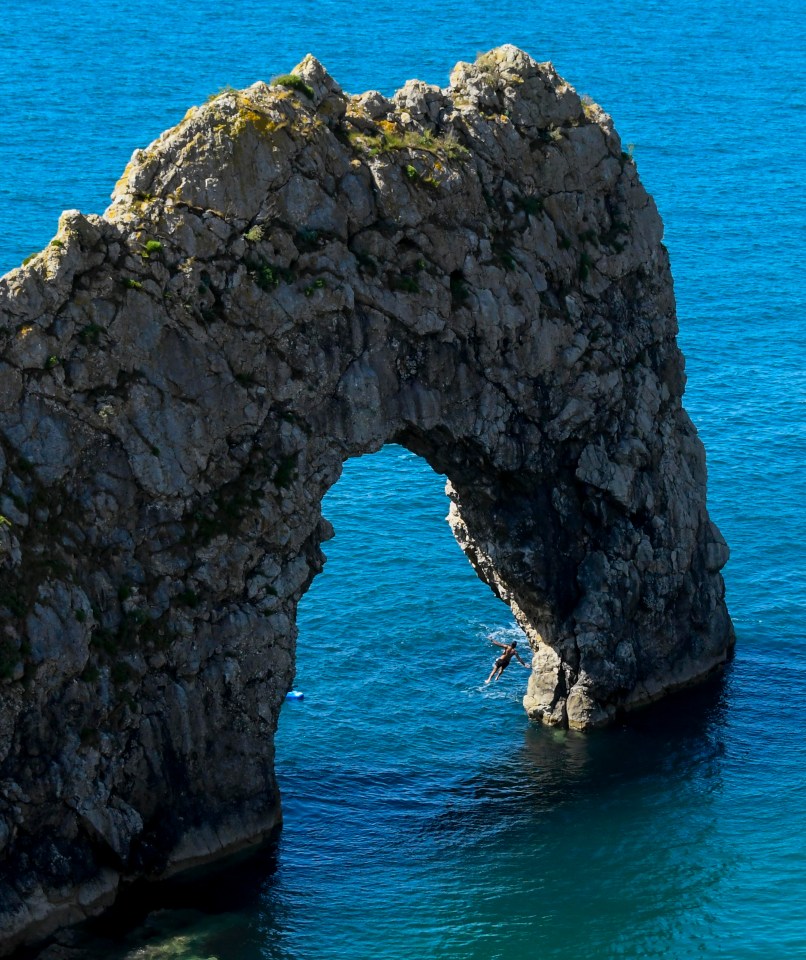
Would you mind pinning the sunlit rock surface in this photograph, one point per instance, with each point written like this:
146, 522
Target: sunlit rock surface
291, 277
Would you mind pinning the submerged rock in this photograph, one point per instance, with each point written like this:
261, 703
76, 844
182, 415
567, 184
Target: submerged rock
288, 278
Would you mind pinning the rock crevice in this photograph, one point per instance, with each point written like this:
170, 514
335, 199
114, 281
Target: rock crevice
291, 277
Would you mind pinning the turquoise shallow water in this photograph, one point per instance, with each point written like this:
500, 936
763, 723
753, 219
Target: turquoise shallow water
425, 817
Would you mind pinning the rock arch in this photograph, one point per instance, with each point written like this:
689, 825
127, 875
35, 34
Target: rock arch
289, 278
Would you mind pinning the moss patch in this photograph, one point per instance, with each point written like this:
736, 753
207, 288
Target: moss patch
293, 82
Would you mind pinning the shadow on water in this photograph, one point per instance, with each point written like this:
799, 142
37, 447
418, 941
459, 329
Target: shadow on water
182, 917
608, 842
549, 789
680, 740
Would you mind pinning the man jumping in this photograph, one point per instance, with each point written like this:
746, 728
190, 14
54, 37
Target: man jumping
503, 661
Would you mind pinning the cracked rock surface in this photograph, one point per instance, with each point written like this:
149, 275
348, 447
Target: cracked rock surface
290, 277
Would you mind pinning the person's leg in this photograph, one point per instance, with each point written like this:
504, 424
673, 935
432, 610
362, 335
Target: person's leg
495, 667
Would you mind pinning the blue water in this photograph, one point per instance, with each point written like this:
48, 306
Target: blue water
425, 817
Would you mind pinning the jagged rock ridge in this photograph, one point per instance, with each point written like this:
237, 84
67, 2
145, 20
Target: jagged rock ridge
291, 277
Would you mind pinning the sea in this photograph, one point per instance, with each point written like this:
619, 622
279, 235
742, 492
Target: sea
425, 816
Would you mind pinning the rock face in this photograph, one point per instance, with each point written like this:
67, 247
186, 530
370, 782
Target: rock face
291, 277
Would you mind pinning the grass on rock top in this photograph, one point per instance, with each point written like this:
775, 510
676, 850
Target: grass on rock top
389, 138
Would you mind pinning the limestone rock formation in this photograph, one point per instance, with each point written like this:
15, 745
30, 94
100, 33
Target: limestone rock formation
290, 277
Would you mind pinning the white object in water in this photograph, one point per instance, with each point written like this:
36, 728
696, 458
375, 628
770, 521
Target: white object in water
295, 695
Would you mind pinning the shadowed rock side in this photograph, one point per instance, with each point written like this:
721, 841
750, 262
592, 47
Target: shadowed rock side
291, 277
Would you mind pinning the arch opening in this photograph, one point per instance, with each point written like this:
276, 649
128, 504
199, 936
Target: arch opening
396, 588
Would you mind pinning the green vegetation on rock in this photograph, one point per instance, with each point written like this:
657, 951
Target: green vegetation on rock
293, 82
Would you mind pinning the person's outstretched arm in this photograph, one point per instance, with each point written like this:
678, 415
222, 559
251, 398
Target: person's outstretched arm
496, 642
521, 661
